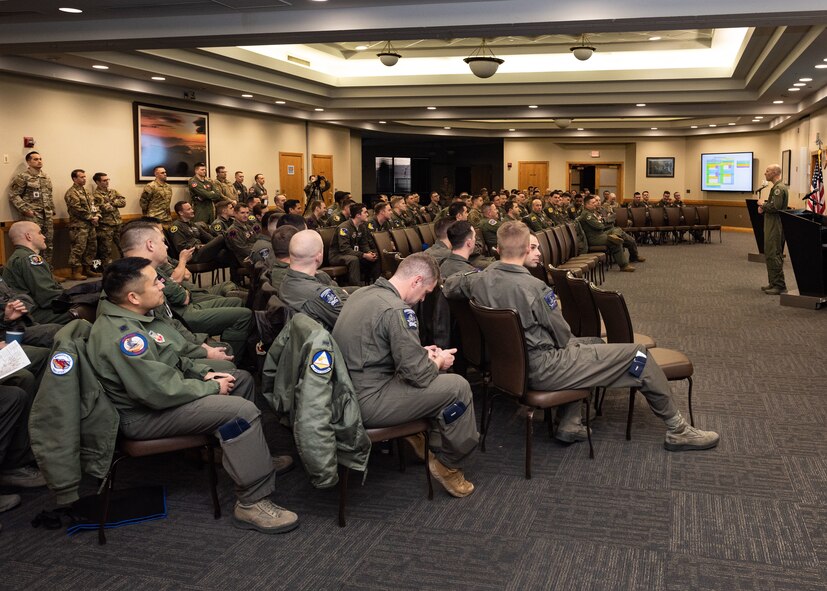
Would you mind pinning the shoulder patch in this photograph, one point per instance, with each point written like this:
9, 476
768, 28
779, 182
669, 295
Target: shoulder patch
133, 344
173, 228
493, 222
777, 192
194, 185
232, 234
342, 231
35, 259
330, 298
61, 363
156, 336
410, 318
264, 253
550, 299
322, 362
251, 218
216, 227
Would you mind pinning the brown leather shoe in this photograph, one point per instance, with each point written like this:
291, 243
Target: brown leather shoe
77, 275
640, 260
282, 464
417, 444
90, 273
451, 478
627, 269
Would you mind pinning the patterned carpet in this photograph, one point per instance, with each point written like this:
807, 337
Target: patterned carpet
749, 515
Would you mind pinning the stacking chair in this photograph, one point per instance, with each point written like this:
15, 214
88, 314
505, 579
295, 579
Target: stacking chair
328, 234
388, 255
703, 223
403, 247
414, 239
674, 364
505, 342
673, 214
621, 218
659, 223
570, 236
130, 448
427, 233
568, 303
640, 225
558, 236
393, 433
551, 255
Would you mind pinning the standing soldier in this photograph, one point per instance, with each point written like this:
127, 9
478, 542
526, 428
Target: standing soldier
109, 201
31, 195
203, 194
156, 198
773, 231
225, 187
83, 222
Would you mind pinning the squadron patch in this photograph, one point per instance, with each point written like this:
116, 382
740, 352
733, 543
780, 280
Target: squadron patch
216, 227
330, 298
61, 363
322, 362
157, 337
173, 229
264, 253
35, 259
410, 318
493, 222
252, 218
232, 234
342, 231
194, 185
551, 299
133, 344
777, 192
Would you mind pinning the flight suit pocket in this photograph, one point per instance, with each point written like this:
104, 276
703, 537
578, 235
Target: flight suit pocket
246, 457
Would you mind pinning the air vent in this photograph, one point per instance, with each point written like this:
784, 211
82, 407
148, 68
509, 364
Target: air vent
298, 60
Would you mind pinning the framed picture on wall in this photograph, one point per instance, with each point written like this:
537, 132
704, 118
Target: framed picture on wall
173, 138
660, 167
786, 161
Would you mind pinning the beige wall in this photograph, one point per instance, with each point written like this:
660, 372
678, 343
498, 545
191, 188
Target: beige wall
78, 127
356, 165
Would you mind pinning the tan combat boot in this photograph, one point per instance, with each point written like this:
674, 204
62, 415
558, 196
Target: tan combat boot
417, 444
90, 273
77, 275
451, 478
265, 517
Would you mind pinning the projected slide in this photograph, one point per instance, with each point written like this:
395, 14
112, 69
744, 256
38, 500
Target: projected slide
726, 172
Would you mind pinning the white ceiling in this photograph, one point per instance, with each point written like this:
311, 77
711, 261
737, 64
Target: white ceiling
722, 68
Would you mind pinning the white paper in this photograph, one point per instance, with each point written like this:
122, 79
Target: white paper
12, 359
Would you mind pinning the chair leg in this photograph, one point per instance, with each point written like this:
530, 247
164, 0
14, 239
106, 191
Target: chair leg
549, 421
691, 417
343, 478
588, 430
428, 475
216, 506
488, 415
529, 433
483, 416
400, 449
103, 507
631, 412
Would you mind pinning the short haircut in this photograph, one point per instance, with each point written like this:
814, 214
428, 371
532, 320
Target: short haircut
356, 208
509, 205
441, 227
588, 198
258, 174
121, 276
98, 176
258, 208
512, 239
637, 193
379, 207
487, 206
313, 205
76, 172
458, 233
155, 170
218, 169
339, 195
395, 201
281, 241
179, 205
237, 172
222, 205
199, 165
30, 154
456, 208
135, 233
251, 199
291, 204
419, 263
292, 219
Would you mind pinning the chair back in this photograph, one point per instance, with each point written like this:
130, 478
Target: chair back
383, 242
703, 215
328, 236
414, 239
505, 343
568, 302
615, 315
427, 234
621, 217
589, 314
673, 216
558, 235
638, 217
690, 216
470, 337
401, 241
658, 217
545, 250
171, 250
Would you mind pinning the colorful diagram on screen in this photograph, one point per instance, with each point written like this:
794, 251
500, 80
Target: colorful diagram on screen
727, 172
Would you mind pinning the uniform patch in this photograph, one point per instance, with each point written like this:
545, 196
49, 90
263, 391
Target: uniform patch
251, 218
61, 363
551, 299
194, 185
322, 362
216, 227
342, 231
173, 229
264, 253
410, 318
330, 298
777, 192
493, 222
133, 344
156, 336
371, 227
35, 259
232, 234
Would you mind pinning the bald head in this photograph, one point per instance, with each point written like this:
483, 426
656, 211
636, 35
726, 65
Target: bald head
21, 232
306, 249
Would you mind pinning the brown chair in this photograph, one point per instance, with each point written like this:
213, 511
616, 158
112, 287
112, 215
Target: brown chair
570, 236
131, 448
393, 433
328, 235
661, 227
674, 364
568, 303
505, 342
400, 239
388, 255
427, 234
414, 239
622, 217
673, 215
703, 223
551, 255
557, 237
640, 225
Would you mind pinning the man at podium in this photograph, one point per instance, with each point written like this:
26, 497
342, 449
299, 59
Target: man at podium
771, 207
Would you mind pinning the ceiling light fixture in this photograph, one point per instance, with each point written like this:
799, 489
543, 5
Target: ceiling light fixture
318, 109
821, 66
799, 84
483, 62
805, 79
562, 123
446, 127
731, 123
579, 129
158, 78
653, 128
280, 102
511, 129
383, 122
533, 107
793, 89
100, 67
694, 126
71, 10
777, 102
431, 108
758, 117
360, 47
388, 55
640, 105
583, 51
654, 38
713, 125
246, 96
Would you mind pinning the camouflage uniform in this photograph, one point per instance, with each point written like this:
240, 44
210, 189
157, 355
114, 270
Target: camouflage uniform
227, 190
109, 226
32, 191
82, 232
203, 196
475, 217
155, 201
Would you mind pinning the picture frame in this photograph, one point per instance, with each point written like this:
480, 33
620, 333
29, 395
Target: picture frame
170, 137
786, 163
660, 167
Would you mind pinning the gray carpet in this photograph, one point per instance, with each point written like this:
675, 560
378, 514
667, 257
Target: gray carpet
751, 514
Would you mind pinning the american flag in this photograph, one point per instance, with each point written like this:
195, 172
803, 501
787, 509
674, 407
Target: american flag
816, 202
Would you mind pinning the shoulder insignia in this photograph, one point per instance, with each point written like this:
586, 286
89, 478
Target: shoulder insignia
208, 186
232, 234
551, 299
533, 218
493, 222
216, 227
173, 228
777, 192
330, 298
61, 363
35, 259
322, 362
156, 336
342, 231
133, 344
264, 253
194, 185
410, 318
371, 227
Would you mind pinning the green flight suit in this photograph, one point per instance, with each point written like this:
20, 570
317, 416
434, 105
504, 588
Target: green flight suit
349, 246
537, 222
321, 300
596, 233
204, 196
28, 272
489, 232
188, 235
774, 234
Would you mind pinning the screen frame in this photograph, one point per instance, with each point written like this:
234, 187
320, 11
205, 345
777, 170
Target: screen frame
752, 172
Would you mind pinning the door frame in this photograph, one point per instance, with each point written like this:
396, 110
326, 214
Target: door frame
597, 165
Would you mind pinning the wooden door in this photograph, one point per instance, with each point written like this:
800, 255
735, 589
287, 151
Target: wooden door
291, 175
532, 174
323, 165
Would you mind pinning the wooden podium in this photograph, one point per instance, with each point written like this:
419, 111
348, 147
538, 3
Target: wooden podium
757, 221
806, 236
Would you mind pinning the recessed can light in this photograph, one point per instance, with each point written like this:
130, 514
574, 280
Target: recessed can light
713, 125
280, 102
100, 67
805, 79
821, 66
361, 47
71, 10
793, 89
758, 117
694, 126
246, 96
532, 106
580, 129
158, 78
799, 84
653, 128
446, 127
640, 105
318, 109
431, 108
777, 102
511, 129
654, 38
383, 122
731, 123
